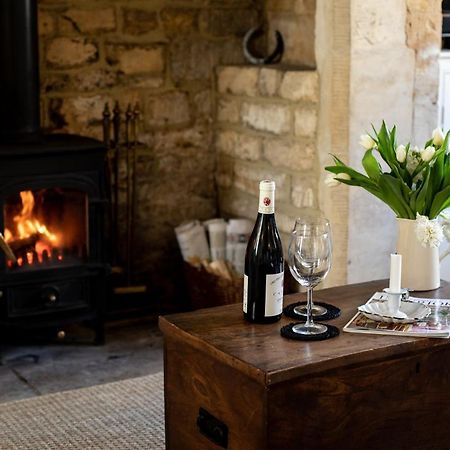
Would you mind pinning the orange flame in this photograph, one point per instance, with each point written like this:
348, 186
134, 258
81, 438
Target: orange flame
27, 225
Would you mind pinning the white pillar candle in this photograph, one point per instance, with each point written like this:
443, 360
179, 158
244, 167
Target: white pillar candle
395, 280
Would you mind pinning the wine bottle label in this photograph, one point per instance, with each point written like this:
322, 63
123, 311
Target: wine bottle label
267, 199
274, 294
245, 293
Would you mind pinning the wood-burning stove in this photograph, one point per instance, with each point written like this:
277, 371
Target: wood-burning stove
52, 199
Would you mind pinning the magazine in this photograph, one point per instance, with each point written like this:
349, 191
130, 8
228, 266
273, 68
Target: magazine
436, 325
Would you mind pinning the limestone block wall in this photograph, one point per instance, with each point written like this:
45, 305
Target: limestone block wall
295, 19
162, 54
266, 128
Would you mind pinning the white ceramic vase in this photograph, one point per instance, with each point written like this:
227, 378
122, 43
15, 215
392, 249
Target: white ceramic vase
420, 265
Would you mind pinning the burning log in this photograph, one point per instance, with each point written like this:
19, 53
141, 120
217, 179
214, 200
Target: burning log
22, 245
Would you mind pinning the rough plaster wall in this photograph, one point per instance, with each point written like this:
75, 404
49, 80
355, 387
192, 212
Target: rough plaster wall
393, 77
333, 65
372, 66
423, 34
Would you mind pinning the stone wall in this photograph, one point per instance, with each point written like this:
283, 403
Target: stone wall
275, 121
266, 128
162, 54
295, 19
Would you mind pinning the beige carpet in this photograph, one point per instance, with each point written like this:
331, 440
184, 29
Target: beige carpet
124, 415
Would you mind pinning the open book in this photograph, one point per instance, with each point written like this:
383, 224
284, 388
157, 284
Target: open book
436, 325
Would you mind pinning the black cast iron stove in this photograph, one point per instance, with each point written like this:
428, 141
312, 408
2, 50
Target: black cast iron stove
52, 199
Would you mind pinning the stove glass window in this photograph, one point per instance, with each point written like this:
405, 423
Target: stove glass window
46, 227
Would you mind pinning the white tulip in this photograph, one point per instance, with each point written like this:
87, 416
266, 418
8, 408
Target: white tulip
400, 153
331, 179
427, 154
343, 176
438, 137
367, 142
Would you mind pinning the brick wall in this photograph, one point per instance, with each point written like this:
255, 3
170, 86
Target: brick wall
266, 128
161, 53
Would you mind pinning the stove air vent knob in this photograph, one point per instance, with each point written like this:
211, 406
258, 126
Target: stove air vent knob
50, 295
61, 334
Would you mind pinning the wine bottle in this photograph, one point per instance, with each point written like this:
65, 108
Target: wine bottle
264, 264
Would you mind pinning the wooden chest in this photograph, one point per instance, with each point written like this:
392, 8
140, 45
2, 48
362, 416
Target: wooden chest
231, 384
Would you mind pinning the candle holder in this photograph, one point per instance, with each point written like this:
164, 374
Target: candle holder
394, 300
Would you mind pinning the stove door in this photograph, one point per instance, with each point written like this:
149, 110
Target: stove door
46, 228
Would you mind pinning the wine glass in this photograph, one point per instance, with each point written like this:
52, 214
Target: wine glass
317, 311
309, 259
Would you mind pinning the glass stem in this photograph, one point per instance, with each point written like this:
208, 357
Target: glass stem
309, 304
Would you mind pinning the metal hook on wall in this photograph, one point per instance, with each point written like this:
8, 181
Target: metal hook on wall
272, 58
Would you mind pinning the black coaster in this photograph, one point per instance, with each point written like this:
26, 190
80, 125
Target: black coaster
287, 332
332, 311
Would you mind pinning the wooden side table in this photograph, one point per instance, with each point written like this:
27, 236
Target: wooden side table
231, 384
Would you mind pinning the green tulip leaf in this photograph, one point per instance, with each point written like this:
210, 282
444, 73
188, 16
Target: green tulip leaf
421, 197
349, 171
437, 173
441, 201
392, 191
371, 165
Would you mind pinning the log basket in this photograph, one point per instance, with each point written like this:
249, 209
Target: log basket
208, 289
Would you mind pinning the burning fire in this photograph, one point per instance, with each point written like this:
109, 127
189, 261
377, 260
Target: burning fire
33, 235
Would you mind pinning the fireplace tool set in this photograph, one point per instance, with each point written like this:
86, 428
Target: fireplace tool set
122, 153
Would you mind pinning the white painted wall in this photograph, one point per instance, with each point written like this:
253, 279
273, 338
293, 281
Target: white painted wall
444, 122
392, 74
381, 87
390, 81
